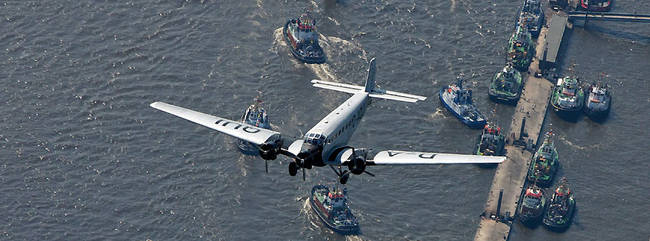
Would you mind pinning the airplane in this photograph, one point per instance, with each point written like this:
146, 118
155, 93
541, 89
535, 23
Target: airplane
326, 143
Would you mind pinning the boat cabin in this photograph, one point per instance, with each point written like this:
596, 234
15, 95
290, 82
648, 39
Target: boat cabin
255, 115
597, 94
532, 198
569, 89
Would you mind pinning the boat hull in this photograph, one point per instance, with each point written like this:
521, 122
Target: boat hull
607, 6
598, 114
531, 221
318, 208
560, 227
500, 151
511, 100
570, 114
544, 182
469, 123
304, 58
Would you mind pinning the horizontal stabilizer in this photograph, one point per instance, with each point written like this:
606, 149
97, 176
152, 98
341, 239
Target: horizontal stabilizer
424, 158
392, 95
376, 92
235, 129
337, 86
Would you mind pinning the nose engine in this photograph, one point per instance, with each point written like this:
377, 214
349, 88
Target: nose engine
309, 154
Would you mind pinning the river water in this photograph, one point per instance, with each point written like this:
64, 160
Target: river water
84, 157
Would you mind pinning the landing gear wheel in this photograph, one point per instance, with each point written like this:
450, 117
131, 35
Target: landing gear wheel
344, 178
293, 169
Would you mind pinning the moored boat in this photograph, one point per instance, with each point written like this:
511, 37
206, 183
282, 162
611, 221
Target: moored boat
595, 5
520, 49
532, 206
560, 211
598, 101
507, 85
532, 17
459, 102
545, 163
568, 98
491, 142
302, 38
332, 209
254, 115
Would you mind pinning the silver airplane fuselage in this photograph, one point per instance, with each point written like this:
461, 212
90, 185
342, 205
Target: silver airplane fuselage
334, 131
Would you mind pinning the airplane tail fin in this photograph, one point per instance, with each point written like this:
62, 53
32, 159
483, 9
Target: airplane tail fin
370, 81
370, 88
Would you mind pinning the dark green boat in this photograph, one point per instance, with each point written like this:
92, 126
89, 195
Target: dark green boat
568, 97
491, 141
561, 208
506, 86
520, 49
532, 206
545, 163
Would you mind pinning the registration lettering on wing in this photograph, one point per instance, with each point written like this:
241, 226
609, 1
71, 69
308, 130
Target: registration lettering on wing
236, 126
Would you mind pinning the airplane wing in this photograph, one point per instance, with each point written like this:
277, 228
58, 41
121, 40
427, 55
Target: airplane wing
422, 158
235, 129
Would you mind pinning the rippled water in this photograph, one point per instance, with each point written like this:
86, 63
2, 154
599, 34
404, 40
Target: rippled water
83, 156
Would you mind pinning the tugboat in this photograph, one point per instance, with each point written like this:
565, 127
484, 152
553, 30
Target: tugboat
520, 49
532, 17
532, 206
568, 97
459, 102
490, 143
332, 208
506, 86
562, 206
302, 38
595, 5
599, 101
545, 163
255, 115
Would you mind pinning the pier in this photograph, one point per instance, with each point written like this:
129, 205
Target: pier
510, 177
599, 16
509, 180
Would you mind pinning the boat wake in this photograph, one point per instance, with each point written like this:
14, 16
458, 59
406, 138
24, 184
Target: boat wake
311, 218
576, 146
336, 49
438, 114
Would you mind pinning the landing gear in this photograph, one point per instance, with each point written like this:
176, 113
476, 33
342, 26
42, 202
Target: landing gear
343, 175
344, 178
293, 169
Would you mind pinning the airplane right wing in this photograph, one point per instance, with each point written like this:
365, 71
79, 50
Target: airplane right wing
235, 129
423, 158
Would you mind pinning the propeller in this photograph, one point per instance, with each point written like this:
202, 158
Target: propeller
369, 173
266, 165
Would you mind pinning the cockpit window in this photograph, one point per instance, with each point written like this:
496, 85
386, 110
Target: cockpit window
315, 139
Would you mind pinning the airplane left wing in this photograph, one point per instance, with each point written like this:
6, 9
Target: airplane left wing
423, 158
235, 129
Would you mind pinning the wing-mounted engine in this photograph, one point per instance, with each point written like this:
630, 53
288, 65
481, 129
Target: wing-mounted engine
354, 159
357, 161
270, 149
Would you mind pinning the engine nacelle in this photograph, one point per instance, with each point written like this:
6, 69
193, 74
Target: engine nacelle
270, 149
357, 162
